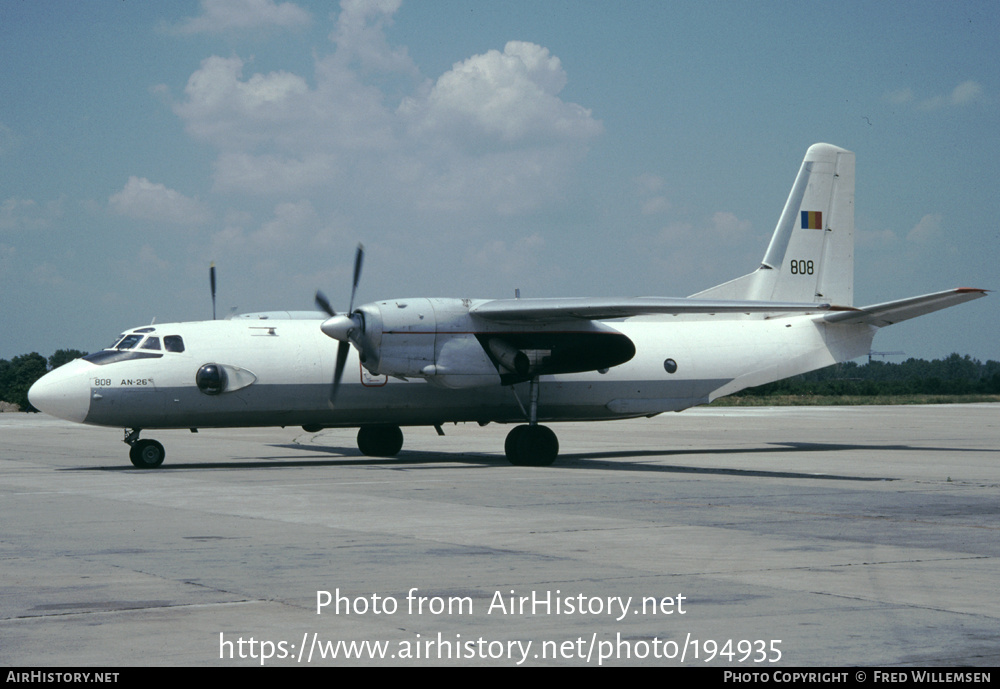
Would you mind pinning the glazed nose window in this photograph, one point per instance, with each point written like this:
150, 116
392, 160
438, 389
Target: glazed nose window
211, 379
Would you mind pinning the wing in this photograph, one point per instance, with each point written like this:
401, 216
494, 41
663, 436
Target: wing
535, 310
890, 312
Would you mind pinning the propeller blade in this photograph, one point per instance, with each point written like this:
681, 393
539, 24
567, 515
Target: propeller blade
211, 280
323, 304
342, 327
359, 257
342, 349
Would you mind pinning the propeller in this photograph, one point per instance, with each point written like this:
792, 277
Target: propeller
211, 280
342, 326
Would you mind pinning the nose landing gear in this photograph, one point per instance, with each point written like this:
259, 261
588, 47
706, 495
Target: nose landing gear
144, 454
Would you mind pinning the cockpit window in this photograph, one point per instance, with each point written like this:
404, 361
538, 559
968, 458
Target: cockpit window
128, 342
135, 345
173, 343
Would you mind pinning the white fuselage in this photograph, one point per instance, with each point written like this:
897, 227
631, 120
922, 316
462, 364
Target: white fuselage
286, 367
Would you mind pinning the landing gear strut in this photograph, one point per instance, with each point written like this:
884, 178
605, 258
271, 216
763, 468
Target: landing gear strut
531, 445
145, 454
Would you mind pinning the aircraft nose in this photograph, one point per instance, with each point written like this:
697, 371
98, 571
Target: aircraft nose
64, 392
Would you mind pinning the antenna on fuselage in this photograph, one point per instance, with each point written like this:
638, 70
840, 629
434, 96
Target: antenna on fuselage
211, 280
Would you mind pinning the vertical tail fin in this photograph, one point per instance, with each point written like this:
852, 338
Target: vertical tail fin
811, 254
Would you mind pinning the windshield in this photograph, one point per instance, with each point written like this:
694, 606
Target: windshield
171, 343
128, 342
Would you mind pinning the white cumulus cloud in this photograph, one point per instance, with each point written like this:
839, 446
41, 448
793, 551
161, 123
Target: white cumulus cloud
511, 96
28, 215
145, 200
966, 92
927, 230
232, 113
491, 135
360, 36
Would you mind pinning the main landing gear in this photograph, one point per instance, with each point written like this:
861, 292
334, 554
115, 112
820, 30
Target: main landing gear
145, 454
531, 445
382, 440
526, 445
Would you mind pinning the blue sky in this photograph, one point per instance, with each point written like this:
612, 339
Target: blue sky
564, 148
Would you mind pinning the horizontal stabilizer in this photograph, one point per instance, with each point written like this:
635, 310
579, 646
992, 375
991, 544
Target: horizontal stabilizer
522, 310
881, 315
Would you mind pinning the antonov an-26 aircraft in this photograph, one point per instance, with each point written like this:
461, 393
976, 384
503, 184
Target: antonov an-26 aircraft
421, 361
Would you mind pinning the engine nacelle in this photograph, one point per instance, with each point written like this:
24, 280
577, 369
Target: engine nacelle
425, 338
439, 340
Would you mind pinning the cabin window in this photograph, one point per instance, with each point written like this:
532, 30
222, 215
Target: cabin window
173, 343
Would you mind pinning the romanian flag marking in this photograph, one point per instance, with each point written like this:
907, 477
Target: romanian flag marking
812, 220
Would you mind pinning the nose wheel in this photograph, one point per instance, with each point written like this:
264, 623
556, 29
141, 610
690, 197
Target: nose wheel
144, 454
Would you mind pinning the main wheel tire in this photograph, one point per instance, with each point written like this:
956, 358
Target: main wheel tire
383, 440
511, 446
147, 454
535, 446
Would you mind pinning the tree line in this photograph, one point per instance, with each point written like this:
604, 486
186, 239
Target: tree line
953, 375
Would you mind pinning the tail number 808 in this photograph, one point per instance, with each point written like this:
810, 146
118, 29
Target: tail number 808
801, 267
